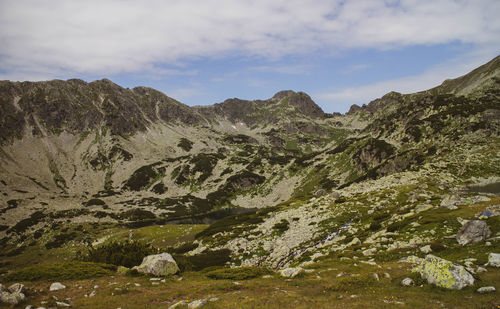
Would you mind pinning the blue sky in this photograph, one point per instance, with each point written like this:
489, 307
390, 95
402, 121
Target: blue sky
203, 52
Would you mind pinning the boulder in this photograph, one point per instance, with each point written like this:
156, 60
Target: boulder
334, 195
56, 286
407, 282
369, 252
444, 273
178, 304
11, 298
13, 295
423, 207
486, 289
472, 232
451, 202
162, 264
197, 303
426, 249
494, 259
291, 272
17, 288
320, 192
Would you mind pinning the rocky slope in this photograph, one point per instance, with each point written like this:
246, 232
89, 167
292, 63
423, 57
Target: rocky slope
351, 204
95, 152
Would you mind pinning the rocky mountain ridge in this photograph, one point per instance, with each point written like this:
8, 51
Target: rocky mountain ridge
137, 150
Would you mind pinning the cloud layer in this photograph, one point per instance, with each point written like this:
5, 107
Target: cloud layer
41, 39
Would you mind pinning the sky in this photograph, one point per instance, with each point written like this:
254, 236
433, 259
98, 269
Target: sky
202, 52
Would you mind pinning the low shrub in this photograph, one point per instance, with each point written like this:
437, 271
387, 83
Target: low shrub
25, 224
137, 214
127, 253
62, 271
437, 246
281, 226
186, 247
239, 273
203, 260
375, 226
60, 239
94, 202
185, 144
415, 276
397, 226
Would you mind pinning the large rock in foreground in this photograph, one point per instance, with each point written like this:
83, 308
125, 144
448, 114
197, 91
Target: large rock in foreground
162, 264
444, 273
13, 295
472, 232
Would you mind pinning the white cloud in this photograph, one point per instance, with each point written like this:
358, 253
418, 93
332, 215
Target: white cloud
184, 94
345, 97
46, 38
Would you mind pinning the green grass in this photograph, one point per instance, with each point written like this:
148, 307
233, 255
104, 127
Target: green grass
62, 271
239, 273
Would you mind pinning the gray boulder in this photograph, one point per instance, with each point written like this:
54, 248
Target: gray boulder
17, 288
56, 286
162, 264
472, 232
444, 273
486, 289
291, 272
494, 259
197, 303
320, 192
407, 282
451, 201
14, 296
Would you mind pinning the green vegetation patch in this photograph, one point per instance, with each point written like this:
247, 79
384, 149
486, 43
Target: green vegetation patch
94, 202
203, 260
185, 144
281, 227
127, 253
236, 224
62, 271
137, 214
240, 139
143, 177
351, 283
239, 273
25, 224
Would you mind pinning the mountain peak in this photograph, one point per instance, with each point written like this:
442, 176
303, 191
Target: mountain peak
283, 94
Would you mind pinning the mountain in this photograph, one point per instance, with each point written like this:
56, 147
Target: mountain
291, 185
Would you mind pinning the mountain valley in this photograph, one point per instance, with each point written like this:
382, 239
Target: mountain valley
263, 204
